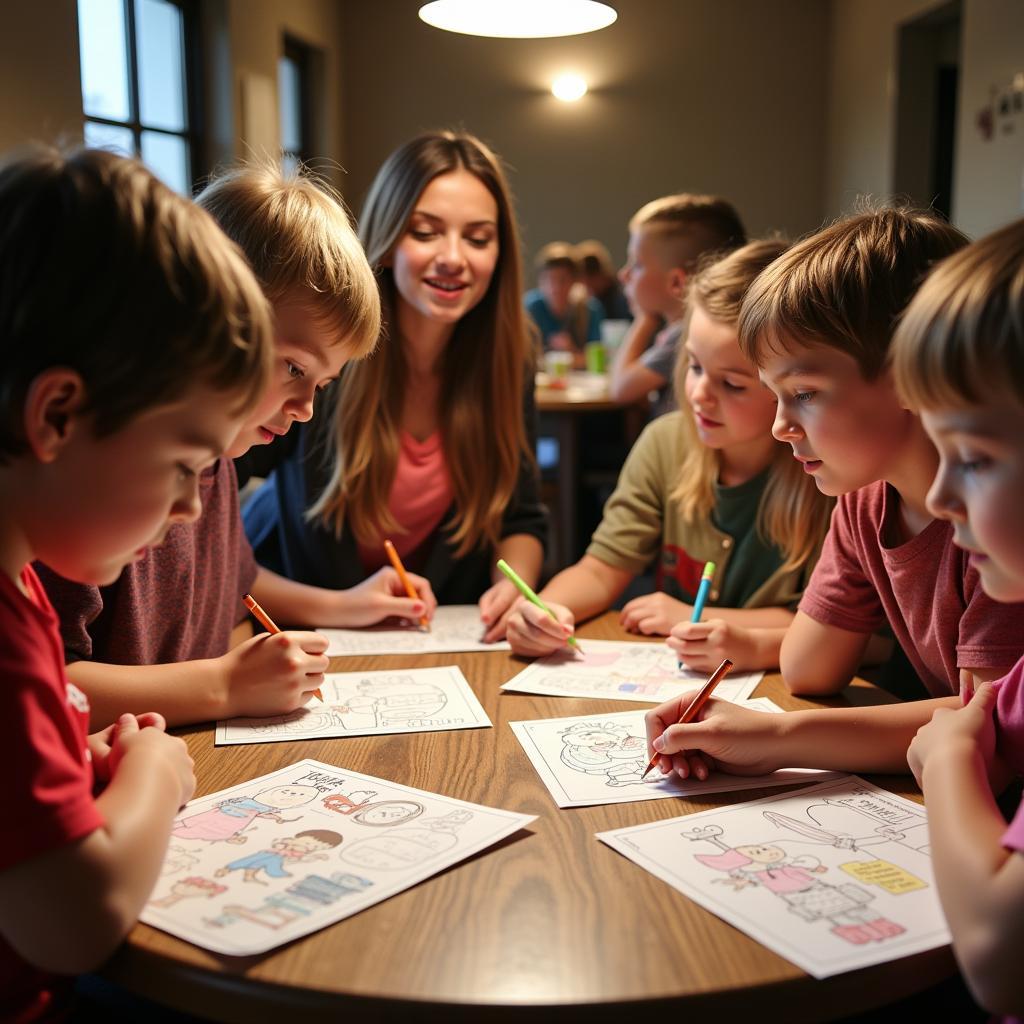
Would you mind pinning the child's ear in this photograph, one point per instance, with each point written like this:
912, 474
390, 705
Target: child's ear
52, 404
677, 282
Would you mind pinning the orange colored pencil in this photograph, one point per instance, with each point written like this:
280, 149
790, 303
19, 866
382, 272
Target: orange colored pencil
270, 626
695, 706
406, 582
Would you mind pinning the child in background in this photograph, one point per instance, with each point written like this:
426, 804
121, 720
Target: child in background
667, 238
958, 357
597, 274
101, 446
566, 320
707, 483
159, 637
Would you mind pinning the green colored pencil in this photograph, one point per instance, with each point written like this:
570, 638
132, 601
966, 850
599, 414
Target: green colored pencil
527, 591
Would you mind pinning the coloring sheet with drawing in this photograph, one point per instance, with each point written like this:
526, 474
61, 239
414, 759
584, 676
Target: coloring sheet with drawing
454, 627
623, 670
265, 862
598, 759
833, 877
369, 703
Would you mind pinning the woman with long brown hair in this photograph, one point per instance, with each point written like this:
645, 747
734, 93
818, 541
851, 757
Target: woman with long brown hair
429, 442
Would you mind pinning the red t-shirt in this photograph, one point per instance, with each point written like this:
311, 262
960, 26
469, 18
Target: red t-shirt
925, 589
46, 801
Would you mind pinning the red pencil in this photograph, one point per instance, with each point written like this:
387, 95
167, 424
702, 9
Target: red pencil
270, 626
695, 706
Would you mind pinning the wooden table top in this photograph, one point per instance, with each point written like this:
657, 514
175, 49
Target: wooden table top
550, 922
586, 392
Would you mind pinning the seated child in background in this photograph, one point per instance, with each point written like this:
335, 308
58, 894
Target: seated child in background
159, 637
706, 483
667, 239
818, 324
959, 358
566, 320
597, 273
103, 439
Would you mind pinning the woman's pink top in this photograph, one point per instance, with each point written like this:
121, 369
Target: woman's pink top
420, 496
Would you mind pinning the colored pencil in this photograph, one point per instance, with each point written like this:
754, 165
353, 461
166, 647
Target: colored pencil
696, 705
702, 595
406, 582
270, 626
526, 590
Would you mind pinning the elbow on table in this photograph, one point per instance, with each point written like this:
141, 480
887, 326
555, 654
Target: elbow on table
805, 680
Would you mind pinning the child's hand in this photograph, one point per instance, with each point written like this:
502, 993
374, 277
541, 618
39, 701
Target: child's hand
734, 739
495, 608
654, 614
972, 726
129, 737
273, 673
99, 743
532, 632
382, 595
703, 645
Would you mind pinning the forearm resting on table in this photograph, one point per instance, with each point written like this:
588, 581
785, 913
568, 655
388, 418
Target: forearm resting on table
298, 605
184, 692
817, 659
587, 588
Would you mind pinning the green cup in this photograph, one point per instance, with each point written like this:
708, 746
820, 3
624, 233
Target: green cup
596, 357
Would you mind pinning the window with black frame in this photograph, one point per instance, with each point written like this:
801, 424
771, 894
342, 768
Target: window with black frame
294, 102
138, 67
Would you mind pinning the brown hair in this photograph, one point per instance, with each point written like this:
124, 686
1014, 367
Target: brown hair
846, 286
594, 258
687, 225
486, 365
557, 254
963, 334
793, 515
105, 270
296, 234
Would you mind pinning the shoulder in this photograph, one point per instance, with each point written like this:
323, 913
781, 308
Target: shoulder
660, 445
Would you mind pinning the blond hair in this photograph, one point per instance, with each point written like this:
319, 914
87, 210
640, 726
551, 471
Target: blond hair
105, 270
298, 237
485, 367
792, 515
962, 336
686, 226
846, 286
557, 254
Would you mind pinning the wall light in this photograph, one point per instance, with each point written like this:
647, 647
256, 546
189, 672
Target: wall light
518, 19
569, 88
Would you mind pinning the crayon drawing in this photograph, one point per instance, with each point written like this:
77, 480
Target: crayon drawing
599, 759
365, 703
321, 843
623, 670
833, 877
455, 627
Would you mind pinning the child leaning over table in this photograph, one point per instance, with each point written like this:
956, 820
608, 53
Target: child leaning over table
159, 636
958, 358
102, 442
706, 483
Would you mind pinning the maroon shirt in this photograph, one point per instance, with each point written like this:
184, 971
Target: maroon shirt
178, 603
925, 589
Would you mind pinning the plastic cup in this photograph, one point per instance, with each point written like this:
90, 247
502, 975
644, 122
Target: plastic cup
596, 356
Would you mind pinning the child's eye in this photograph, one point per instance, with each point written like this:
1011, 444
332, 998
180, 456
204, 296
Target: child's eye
729, 386
695, 366
185, 472
975, 465
295, 372
803, 396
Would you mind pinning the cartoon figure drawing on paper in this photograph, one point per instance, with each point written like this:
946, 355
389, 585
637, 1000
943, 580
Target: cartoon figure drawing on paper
793, 879
187, 888
231, 817
382, 702
406, 847
348, 801
177, 859
297, 849
604, 749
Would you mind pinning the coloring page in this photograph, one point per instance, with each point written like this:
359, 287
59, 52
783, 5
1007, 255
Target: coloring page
369, 703
262, 863
598, 759
454, 627
833, 877
623, 670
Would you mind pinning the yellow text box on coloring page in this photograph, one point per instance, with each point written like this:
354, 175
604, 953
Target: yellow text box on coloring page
890, 877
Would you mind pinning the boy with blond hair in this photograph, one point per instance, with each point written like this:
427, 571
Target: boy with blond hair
160, 636
667, 238
102, 442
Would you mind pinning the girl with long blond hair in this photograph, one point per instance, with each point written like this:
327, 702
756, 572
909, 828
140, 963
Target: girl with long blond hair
429, 442
707, 483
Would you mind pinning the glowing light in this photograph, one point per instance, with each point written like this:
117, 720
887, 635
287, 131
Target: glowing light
569, 88
518, 19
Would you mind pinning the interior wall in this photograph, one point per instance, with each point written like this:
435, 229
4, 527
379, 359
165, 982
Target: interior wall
719, 96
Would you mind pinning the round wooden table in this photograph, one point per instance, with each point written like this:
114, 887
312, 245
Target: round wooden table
549, 924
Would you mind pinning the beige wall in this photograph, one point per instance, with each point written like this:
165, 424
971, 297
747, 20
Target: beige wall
699, 95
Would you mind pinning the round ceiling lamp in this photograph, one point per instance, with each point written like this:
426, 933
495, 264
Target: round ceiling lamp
518, 19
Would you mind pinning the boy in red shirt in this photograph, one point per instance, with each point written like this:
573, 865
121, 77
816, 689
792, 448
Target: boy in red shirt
135, 341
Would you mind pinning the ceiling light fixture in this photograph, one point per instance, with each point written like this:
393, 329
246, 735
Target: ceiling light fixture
518, 19
569, 88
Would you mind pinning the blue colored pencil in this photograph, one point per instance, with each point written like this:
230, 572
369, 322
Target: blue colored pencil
702, 593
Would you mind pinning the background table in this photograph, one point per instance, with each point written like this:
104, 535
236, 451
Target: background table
548, 924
